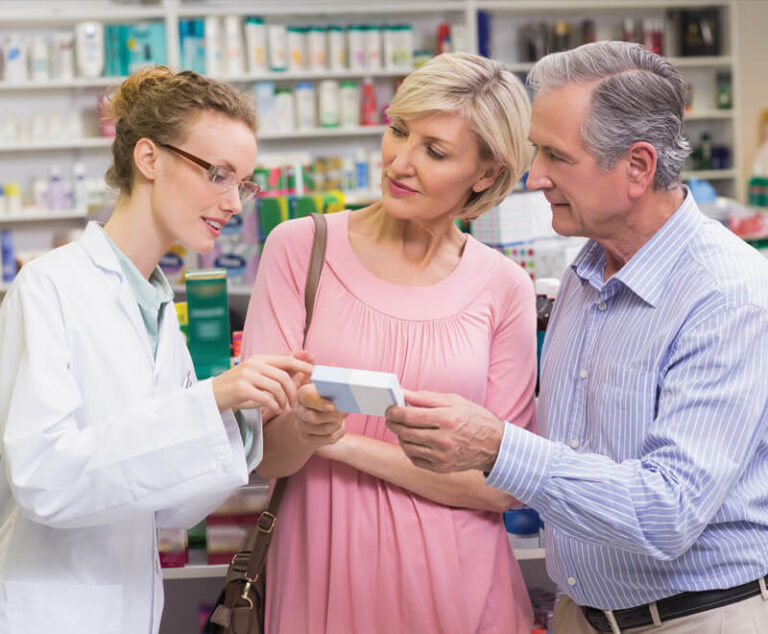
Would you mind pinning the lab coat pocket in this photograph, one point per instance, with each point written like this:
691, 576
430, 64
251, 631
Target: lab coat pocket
34, 608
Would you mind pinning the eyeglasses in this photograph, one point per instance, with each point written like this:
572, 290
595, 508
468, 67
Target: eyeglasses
220, 176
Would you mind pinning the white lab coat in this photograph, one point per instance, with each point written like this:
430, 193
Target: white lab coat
101, 443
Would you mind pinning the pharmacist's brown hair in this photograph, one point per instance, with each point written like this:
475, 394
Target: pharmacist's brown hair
492, 101
159, 104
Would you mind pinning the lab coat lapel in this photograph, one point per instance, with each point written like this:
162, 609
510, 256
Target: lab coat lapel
102, 255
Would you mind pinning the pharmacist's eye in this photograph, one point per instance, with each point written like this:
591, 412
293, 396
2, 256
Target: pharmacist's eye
221, 176
397, 131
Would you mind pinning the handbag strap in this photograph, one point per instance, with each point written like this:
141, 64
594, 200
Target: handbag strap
265, 525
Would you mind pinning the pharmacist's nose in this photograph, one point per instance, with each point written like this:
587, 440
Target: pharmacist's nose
230, 201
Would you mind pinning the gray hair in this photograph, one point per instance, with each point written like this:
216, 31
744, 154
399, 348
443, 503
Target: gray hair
639, 96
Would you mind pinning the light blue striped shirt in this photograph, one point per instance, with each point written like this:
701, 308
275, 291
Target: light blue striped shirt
652, 472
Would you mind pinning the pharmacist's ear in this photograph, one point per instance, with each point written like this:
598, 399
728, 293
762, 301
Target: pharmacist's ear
145, 154
641, 168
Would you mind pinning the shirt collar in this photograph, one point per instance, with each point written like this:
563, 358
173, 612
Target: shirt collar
647, 270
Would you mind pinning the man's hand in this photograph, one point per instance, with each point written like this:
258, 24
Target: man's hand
445, 432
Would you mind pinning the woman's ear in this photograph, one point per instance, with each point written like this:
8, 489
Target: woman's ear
145, 156
641, 168
487, 178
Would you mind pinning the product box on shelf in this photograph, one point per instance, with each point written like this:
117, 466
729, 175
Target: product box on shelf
208, 311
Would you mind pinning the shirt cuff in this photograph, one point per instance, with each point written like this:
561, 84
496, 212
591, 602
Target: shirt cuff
523, 463
249, 421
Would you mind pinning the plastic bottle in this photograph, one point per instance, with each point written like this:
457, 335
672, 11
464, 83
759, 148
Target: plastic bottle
8, 256
706, 151
337, 47
80, 189
374, 170
349, 93
361, 170
63, 56
212, 34
39, 59
318, 48
373, 47
233, 39
12, 196
285, 117
15, 59
89, 45
55, 189
356, 47
278, 47
304, 94
369, 113
297, 47
329, 103
443, 41
256, 44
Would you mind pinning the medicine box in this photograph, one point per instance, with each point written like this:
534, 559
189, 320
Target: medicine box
358, 391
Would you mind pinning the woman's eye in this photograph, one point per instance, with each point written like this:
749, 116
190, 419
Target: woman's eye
435, 154
221, 177
397, 131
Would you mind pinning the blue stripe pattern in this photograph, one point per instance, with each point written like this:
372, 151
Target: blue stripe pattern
651, 474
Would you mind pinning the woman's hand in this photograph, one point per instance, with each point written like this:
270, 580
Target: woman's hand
267, 381
316, 420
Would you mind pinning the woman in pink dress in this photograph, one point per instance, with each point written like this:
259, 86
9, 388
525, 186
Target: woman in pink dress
366, 542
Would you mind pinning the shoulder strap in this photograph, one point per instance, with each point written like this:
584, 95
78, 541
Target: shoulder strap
265, 525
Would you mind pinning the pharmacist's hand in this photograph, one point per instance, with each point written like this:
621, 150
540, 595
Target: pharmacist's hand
316, 419
265, 381
445, 432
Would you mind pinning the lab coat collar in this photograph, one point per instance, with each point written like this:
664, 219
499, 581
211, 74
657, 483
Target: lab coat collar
95, 243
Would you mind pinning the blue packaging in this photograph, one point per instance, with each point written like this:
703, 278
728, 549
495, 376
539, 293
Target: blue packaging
484, 33
8, 257
522, 521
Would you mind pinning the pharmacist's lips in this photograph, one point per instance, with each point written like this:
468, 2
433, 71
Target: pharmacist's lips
401, 185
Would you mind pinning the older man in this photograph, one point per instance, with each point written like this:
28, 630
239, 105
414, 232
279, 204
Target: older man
652, 477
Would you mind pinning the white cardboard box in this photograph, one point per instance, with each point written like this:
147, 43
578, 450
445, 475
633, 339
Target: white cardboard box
358, 391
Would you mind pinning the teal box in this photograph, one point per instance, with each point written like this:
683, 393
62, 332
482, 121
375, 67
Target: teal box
146, 45
208, 311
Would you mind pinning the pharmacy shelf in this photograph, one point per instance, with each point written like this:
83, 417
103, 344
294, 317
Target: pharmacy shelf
541, 6
324, 133
709, 115
33, 214
63, 144
201, 571
319, 7
58, 13
709, 175
77, 82
298, 75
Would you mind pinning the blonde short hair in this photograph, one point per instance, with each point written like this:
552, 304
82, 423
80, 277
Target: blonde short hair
490, 98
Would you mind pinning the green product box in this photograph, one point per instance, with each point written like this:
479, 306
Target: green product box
208, 311
272, 211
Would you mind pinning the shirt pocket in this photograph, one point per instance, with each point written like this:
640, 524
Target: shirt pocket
620, 409
45, 607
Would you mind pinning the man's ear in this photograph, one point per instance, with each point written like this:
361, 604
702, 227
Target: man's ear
641, 168
145, 157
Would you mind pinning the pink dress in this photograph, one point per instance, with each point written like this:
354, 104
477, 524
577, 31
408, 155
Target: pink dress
353, 553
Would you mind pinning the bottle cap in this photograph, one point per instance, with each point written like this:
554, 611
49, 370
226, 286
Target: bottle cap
547, 286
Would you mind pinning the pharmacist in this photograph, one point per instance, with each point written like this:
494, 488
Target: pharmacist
652, 478
104, 433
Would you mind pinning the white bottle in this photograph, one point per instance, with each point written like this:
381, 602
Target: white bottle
80, 189
39, 59
356, 47
329, 103
318, 48
264, 99
233, 38
15, 59
374, 170
89, 45
285, 117
63, 56
55, 189
373, 47
390, 46
212, 35
349, 104
278, 47
297, 47
256, 44
304, 94
337, 47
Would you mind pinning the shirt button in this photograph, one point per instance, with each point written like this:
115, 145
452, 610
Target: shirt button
571, 581
601, 306
574, 443
583, 374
